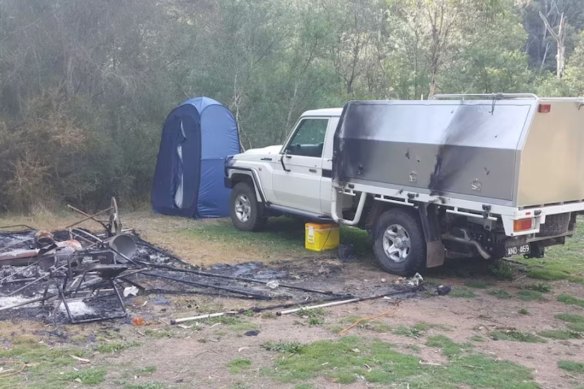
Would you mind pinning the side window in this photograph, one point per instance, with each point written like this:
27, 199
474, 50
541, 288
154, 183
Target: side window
308, 140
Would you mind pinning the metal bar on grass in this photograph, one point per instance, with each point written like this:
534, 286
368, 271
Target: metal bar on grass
201, 317
203, 285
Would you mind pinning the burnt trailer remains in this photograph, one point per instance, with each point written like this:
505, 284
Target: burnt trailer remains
489, 175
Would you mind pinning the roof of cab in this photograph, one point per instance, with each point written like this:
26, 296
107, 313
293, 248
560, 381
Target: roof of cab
324, 112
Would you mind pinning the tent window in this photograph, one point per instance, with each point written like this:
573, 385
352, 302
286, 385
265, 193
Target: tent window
308, 140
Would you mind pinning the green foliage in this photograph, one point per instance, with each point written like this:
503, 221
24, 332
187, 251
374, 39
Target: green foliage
80, 114
560, 334
502, 271
571, 366
574, 322
515, 335
352, 358
283, 347
500, 294
571, 300
114, 347
414, 331
461, 292
477, 284
314, 317
239, 364
530, 295
539, 287
91, 376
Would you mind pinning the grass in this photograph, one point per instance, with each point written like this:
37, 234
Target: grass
314, 317
91, 376
516, 336
478, 284
238, 365
500, 294
561, 262
571, 366
561, 334
234, 323
146, 370
147, 385
42, 365
502, 271
571, 300
352, 359
574, 322
461, 292
283, 347
114, 347
538, 287
530, 295
414, 331
523, 311
284, 236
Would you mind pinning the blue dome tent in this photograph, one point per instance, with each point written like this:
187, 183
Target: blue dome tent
196, 138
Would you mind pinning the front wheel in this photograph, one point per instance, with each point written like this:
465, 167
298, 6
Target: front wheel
246, 213
399, 244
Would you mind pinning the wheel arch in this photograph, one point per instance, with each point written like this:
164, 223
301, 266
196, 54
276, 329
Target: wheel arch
249, 176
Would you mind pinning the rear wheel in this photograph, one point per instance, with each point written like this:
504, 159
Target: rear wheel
246, 213
399, 244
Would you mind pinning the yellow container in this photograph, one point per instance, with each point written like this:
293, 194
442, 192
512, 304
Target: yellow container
321, 237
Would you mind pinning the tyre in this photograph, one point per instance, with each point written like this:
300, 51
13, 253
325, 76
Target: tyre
399, 244
246, 213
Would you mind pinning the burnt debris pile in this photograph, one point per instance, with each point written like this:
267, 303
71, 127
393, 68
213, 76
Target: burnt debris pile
75, 275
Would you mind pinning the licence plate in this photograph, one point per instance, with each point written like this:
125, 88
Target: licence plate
517, 250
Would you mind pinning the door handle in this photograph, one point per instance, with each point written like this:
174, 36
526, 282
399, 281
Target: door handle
288, 156
312, 170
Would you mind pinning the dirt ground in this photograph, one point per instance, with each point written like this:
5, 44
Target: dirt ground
481, 306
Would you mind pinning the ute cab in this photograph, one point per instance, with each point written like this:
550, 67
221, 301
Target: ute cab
294, 178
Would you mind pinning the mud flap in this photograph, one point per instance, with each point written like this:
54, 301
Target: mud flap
434, 247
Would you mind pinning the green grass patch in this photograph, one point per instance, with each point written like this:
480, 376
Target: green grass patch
283, 236
91, 376
477, 338
283, 347
500, 294
314, 317
562, 262
548, 274
560, 334
43, 364
114, 347
523, 311
571, 366
448, 347
571, 300
530, 295
350, 359
574, 322
516, 336
234, 323
538, 287
478, 284
146, 370
147, 385
461, 292
414, 331
502, 271
238, 365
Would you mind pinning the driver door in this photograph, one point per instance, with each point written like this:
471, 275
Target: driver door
297, 183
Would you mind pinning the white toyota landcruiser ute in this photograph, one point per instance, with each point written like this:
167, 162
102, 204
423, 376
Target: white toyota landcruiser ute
456, 176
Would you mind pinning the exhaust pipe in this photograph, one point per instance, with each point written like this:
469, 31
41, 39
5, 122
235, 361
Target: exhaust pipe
465, 239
